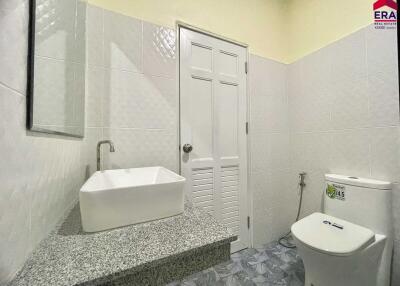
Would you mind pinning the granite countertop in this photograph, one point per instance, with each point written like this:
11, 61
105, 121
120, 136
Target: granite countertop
68, 256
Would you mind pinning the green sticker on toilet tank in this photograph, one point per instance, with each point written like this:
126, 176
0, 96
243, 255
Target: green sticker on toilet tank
331, 191
335, 191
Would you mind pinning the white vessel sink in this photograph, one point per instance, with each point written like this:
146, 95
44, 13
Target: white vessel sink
115, 198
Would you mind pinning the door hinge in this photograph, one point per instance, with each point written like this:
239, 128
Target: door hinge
248, 222
246, 67
247, 128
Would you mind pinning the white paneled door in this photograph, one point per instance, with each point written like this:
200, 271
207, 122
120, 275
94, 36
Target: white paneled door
213, 128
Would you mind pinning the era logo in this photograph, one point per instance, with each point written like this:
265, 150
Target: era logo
385, 14
382, 3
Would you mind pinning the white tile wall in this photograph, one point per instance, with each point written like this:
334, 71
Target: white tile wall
94, 96
39, 174
40, 177
342, 110
344, 115
273, 212
383, 86
141, 148
349, 82
123, 42
132, 89
310, 90
15, 195
95, 36
14, 23
350, 153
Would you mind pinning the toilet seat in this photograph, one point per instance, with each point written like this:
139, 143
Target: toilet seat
331, 235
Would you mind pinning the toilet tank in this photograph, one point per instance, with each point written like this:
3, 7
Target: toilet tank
362, 201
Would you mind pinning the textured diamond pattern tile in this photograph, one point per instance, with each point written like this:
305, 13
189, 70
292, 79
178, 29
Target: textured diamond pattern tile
54, 30
139, 111
11, 5
40, 178
15, 194
13, 44
159, 50
47, 186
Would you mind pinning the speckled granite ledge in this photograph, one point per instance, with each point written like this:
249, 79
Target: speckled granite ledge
163, 250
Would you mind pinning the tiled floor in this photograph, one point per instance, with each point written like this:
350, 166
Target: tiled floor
271, 264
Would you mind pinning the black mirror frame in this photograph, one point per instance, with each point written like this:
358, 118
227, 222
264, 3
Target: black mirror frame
31, 76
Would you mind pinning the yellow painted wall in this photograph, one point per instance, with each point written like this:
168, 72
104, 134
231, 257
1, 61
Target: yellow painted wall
314, 24
283, 30
258, 23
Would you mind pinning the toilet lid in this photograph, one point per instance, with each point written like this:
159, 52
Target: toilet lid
331, 235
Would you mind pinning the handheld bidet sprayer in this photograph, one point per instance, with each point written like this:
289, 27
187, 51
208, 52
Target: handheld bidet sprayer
302, 184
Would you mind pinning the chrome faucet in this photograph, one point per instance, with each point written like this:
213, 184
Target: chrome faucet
112, 149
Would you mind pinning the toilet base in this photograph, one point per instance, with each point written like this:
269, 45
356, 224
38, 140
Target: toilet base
360, 269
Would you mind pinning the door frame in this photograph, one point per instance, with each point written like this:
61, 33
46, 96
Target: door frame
249, 193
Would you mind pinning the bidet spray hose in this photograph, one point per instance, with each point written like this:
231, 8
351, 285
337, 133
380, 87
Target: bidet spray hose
302, 184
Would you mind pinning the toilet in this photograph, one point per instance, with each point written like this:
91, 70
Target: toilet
351, 243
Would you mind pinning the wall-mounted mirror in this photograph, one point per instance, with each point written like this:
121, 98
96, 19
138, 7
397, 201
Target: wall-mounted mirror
56, 76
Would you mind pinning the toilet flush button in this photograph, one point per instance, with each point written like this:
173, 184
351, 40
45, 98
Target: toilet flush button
333, 224
338, 226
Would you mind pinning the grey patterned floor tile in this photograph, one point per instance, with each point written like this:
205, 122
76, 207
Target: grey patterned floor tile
267, 265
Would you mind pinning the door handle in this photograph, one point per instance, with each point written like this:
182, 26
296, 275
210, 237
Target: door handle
187, 148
